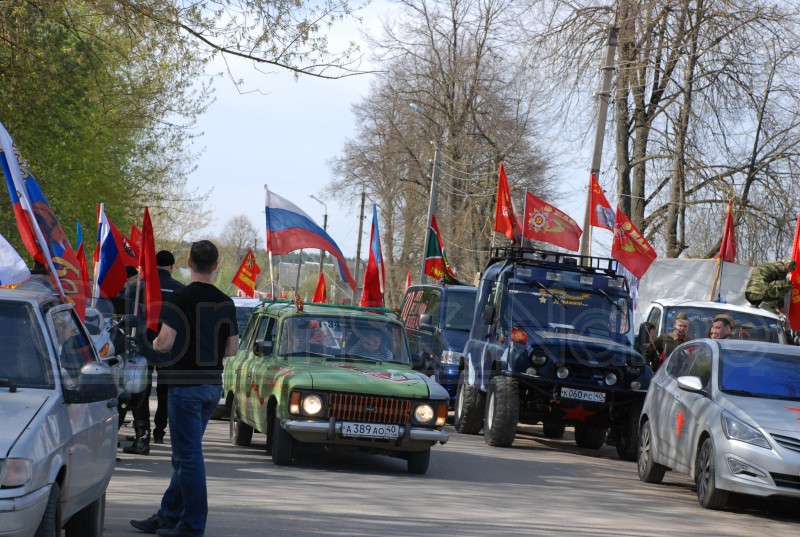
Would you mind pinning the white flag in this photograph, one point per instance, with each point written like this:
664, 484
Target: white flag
12, 268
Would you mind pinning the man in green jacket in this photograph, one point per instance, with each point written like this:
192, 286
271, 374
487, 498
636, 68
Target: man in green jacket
768, 284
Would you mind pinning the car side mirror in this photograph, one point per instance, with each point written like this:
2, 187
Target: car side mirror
425, 322
95, 383
263, 347
690, 384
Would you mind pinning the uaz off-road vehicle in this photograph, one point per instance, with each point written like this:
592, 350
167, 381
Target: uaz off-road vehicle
551, 342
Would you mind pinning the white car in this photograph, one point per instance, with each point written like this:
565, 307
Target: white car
727, 414
58, 409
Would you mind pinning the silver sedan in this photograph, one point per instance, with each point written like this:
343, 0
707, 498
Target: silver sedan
726, 413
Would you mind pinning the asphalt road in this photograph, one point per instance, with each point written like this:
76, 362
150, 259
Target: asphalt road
537, 487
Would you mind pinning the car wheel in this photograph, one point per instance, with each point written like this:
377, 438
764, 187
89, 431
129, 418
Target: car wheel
649, 470
88, 522
627, 441
590, 437
50, 526
468, 413
418, 461
502, 412
708, 494
553, 429
282, 445
241, 434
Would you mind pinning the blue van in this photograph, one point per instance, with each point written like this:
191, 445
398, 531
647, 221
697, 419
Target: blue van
438, 320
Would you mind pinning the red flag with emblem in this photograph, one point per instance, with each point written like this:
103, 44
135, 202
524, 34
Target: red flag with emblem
505, 219
543, 222
630, 247
794, 301
601, 214
245, 277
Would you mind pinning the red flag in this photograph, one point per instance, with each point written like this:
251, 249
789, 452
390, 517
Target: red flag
372, 292
543, 222
408, 279
148, 273
727, 248
630, 247
81, 256
321, 292
41, 232
245, 277
505, 219
794, 301
136, 238
601, 215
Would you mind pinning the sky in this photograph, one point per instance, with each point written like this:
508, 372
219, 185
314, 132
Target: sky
285, 135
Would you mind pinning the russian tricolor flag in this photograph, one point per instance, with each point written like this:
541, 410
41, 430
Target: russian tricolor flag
290, 229
110, 270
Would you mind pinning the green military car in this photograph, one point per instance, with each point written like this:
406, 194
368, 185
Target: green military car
334, 375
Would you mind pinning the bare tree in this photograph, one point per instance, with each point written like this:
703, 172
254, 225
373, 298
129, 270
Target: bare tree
457, 62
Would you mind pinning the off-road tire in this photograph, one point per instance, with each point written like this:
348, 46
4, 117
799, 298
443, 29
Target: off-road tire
627, 441
468, 412
282, 445
241, 434
589, 437
553, 429
502, 412
708, 494
50, 526
649, 470
418, 461
89, 521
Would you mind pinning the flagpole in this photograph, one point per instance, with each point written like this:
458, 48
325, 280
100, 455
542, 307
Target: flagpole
297, 281
604, 96
271, 274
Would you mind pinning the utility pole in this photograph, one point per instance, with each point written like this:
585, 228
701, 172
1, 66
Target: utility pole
431, 207
604, 97
358, 244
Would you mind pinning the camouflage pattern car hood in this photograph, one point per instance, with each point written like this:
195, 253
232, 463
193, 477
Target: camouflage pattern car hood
359, 377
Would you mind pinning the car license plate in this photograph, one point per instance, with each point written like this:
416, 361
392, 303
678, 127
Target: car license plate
369, 430
583, 395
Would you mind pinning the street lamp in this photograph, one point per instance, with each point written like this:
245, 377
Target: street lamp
437, 163
324, 228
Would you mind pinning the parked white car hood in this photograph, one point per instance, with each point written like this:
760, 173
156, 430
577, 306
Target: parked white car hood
16, 412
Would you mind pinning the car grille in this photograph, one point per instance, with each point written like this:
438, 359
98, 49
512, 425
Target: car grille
367, 408
788, 481
788, 442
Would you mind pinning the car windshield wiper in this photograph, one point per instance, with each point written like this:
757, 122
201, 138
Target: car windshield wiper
358, 358
610, 301
556, 298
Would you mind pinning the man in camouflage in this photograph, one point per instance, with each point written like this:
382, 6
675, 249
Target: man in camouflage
665, 344
768, 284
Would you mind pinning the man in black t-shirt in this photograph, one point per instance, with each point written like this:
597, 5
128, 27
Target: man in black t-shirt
198, 329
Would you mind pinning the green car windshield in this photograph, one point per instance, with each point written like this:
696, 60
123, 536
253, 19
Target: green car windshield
343, 338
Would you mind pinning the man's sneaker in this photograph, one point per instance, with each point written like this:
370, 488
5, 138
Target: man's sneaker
148, 525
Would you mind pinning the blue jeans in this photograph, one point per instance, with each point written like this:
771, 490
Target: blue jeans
185, 503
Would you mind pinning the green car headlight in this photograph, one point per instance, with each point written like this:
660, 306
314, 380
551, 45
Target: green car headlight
312, 404
424, 414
